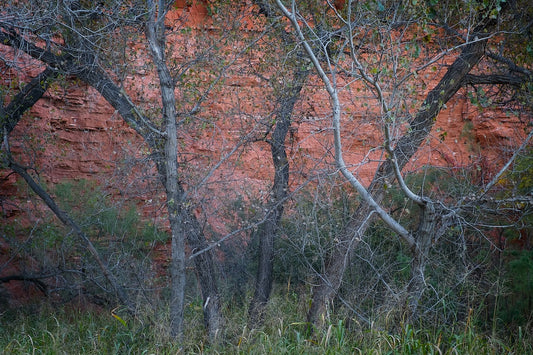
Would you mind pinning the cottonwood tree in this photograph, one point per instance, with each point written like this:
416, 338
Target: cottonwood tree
379, 48
77, 26
73, 38
287, 83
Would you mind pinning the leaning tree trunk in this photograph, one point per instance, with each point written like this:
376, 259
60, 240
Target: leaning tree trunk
269, 229
330, 282
24, 100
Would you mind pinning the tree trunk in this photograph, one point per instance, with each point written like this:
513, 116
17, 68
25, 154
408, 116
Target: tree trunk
421, 125
424, 236
183, 223
330, 281
177, 270
269, 229
186, 227
24, 100
155, 34
205, 271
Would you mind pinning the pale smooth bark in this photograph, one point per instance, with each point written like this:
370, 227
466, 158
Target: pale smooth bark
183, 224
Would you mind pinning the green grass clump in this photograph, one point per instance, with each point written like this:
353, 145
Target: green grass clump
47, 330
69, 331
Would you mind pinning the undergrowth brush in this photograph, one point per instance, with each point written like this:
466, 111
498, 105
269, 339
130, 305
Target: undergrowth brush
51, 330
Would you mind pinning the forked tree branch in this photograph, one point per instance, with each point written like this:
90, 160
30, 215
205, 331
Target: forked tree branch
336, 108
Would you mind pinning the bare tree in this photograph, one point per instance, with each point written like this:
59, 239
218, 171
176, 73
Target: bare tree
72, 38
367, 46
382, 49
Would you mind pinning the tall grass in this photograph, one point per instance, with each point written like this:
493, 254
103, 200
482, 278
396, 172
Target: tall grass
46, 330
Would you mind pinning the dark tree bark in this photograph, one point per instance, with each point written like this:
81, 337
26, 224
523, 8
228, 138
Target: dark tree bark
205, 270
268, 231
25, 99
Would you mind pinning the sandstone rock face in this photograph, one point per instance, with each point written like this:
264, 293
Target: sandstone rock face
73, 133
79, 135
